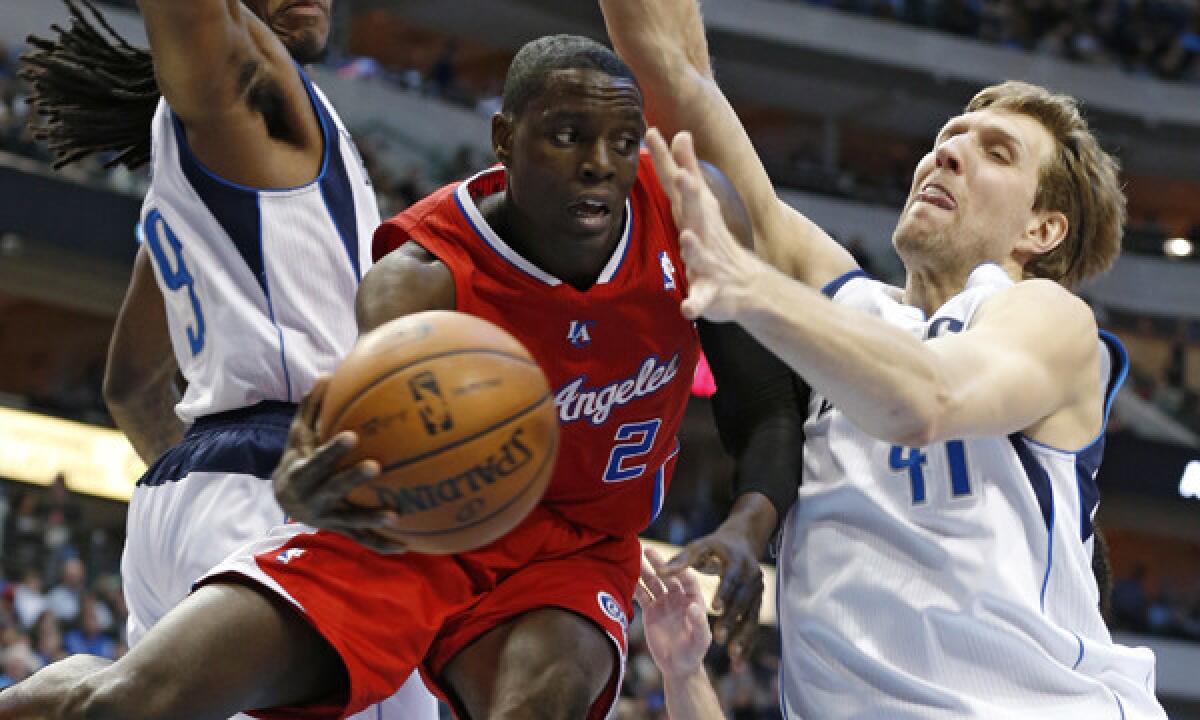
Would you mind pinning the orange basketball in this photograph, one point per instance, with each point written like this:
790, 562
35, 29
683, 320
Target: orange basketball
459, 417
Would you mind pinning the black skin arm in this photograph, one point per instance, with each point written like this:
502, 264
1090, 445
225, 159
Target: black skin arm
139, 376
233, 84
405, 281
759, 409
226, 648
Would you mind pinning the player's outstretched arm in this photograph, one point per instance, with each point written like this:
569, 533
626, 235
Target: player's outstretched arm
139, 376
663, 41
227, 648
759, 408
1028, 363
234, 85
678, 636
309, 483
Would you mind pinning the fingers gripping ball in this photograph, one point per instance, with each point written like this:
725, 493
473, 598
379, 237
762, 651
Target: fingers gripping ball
460, 419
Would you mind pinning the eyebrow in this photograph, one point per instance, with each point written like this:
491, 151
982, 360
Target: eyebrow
1006, 137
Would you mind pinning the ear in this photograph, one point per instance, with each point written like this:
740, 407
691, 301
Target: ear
1046, 231
502, 137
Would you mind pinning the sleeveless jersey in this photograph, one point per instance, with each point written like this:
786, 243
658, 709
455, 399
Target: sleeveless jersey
954, 580
259, 284
619, 355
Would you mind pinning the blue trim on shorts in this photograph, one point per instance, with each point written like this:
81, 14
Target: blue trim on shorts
246, 441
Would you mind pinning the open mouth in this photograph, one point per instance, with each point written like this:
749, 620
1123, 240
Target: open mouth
590, 213
937, 196
303, 7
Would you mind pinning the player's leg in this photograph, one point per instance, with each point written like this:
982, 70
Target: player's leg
204, 499
227, 648
549, 663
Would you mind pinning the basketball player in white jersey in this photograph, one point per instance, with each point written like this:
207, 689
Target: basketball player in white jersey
937, 563
256, 230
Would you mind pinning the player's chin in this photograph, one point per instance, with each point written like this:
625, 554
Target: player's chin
308, 45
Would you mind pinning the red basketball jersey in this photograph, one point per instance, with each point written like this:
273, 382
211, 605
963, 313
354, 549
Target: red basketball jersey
619, 355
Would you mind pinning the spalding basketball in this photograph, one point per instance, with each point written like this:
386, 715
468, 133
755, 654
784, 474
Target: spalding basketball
460, 419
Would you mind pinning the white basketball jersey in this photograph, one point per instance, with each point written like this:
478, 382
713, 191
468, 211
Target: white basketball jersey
259, 284
949, 581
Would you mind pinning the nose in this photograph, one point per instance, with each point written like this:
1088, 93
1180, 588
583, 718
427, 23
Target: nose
949, 155
597, 163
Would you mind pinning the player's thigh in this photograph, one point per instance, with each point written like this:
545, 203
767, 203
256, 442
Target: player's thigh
550, 659
228, 647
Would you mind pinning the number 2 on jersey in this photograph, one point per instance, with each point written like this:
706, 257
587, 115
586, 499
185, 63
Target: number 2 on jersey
914, 463
638, 438
175, 276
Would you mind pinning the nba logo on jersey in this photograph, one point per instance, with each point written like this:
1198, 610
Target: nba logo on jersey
579, 334
668, 270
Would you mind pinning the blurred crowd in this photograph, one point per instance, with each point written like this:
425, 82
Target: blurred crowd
60, 588
1162, 606
1146, 37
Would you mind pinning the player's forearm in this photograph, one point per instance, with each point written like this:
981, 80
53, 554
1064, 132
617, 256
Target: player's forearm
691, 697
663, 42
147, 416
882, 377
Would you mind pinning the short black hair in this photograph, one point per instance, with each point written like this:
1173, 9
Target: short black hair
538, 58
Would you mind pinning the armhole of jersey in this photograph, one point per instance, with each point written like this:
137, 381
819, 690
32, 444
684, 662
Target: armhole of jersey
461, 283
832, 287
1118, 370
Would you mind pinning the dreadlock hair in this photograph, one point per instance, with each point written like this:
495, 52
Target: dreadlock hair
95, 92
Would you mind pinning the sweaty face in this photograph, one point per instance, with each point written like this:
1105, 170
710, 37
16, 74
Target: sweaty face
573, 154
972, 196
302, 25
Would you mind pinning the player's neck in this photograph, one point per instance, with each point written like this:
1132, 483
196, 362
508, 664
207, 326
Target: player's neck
577, 264
929, 290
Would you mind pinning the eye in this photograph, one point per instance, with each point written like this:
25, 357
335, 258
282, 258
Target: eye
628, 144
566, 135
999, 155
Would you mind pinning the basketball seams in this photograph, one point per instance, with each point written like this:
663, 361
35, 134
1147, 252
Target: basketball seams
550, 457
392, 372
472, 437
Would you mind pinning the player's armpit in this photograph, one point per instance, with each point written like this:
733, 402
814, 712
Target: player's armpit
1029, 362
405, 281
201, 50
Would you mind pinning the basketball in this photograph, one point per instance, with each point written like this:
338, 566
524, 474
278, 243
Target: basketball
460, 419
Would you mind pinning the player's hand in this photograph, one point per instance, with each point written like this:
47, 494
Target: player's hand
311, 489
674, 618
720, 271
732, 556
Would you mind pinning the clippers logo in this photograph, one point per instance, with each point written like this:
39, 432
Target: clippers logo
290, 554
668, 270
431, 406
611, 608
579, 334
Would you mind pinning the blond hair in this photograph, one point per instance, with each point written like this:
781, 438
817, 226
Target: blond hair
1080, 181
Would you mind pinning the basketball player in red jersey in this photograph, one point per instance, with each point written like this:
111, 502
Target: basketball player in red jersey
570, 246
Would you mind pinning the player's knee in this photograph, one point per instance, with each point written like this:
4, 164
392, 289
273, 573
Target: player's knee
111, 696
558, 690
558, 680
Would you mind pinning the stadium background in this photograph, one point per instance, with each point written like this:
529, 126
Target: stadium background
841, 96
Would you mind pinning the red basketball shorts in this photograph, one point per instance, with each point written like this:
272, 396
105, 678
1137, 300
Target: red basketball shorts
386, 615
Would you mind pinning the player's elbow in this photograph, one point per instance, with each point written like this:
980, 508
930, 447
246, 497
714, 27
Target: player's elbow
120, 385
920, 419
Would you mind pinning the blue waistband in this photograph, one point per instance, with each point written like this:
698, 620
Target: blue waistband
268, 412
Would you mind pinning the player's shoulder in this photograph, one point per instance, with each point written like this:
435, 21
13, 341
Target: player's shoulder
437, 208
1044, 302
